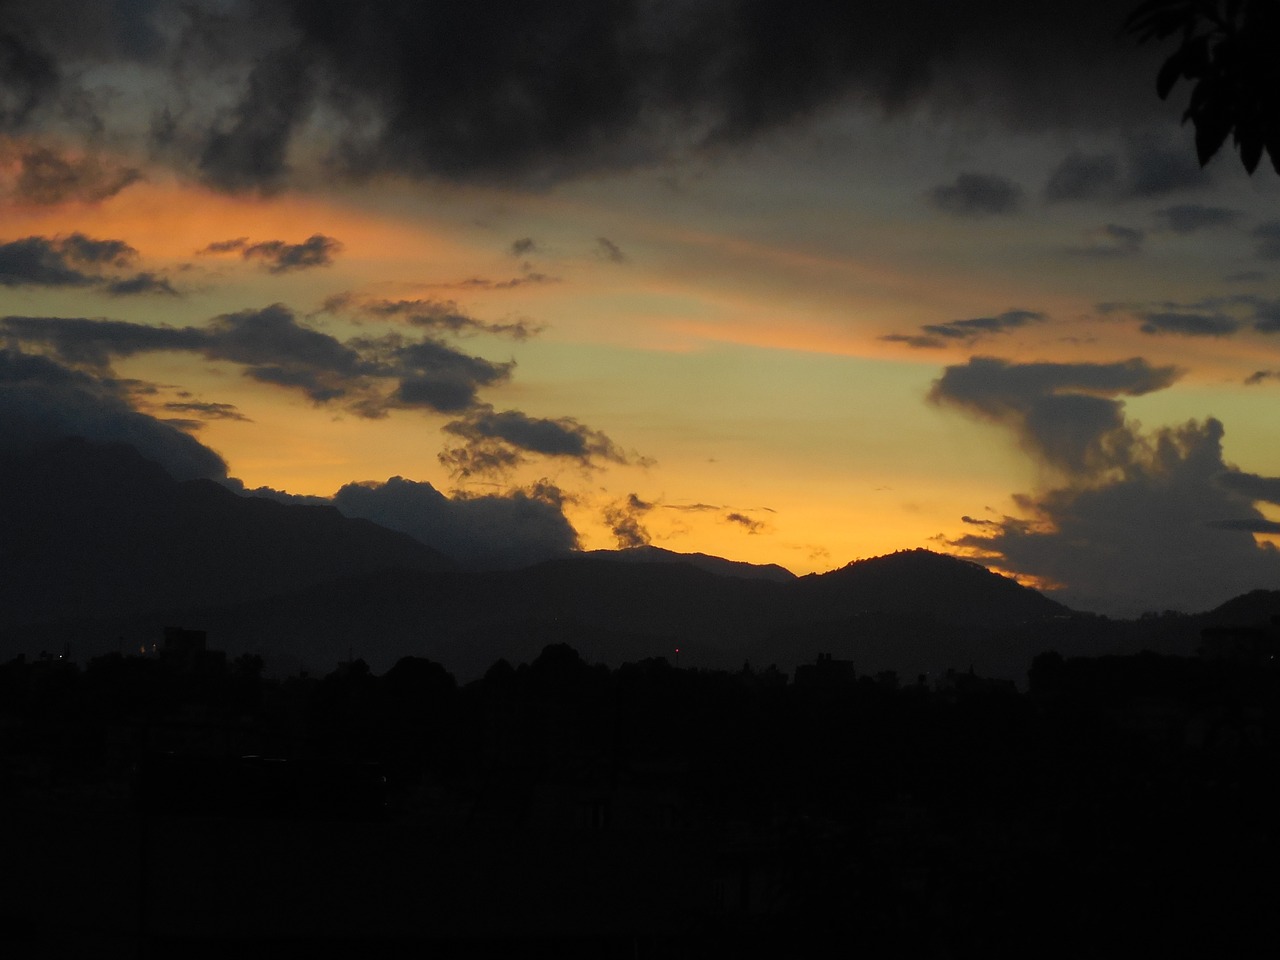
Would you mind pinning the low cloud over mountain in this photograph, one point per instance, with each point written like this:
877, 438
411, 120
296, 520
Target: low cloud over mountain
1158, 512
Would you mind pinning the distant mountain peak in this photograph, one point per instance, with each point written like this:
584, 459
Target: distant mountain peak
931, 583
705, 562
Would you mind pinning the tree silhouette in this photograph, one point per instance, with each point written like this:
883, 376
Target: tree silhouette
1228, 52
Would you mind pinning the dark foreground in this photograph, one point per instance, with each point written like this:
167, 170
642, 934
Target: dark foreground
183, 806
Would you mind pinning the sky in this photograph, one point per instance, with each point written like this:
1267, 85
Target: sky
773, 281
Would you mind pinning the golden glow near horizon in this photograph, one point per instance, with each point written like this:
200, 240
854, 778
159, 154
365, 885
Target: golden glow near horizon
728, 335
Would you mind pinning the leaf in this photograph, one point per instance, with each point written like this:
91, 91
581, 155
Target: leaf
1250, 149
1273, 148
1212, 126
1169, 74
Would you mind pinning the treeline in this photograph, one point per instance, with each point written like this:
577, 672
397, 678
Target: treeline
1134, 794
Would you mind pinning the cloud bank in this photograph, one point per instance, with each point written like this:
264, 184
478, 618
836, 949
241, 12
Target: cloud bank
563, 89
1156, 514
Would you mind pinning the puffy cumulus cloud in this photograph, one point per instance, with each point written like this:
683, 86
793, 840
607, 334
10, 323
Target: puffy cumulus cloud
977, 195
40, 174
249, 90
42, 400
489, 532
1067, 415
625, 518
76, 260
30, 80
497, 441
1154, 515
1167, 527
966, 332
278, 256
247, 148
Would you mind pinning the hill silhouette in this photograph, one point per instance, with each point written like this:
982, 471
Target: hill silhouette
717, 565
101, 545
94, 530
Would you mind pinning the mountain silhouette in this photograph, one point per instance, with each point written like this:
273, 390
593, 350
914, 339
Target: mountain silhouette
97, 543
717, 565
96, 530
924, 583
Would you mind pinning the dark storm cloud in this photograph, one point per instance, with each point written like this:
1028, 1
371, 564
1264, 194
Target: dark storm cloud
1065, 414
519, 528
933, 335
445, 316
277, 256
1189, 324
610, 250
1268, 237
1260, 376
497, 441
540, 92
45, 176
625, 518
1165, 523
1190, 217
977, 195
41, 400
247, 148
29, 78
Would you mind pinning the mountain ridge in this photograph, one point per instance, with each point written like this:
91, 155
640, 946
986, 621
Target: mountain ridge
97, 543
